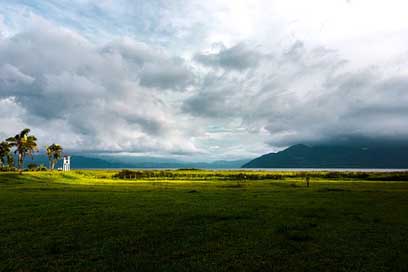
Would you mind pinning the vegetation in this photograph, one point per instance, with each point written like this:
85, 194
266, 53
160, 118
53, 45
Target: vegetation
32, 166
25, 145
242, 175
5, 155
35, 167
93, 221
54, 153
184, 174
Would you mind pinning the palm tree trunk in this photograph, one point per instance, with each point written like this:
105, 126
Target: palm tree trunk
20, 161
10, 161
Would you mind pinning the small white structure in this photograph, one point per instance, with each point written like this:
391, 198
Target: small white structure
67, 163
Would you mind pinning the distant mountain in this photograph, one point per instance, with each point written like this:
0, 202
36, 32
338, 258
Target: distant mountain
152, 162
89, 162
78, 162
303, 156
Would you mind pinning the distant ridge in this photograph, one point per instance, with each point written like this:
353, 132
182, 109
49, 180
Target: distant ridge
78, 162
104, 162
303, 156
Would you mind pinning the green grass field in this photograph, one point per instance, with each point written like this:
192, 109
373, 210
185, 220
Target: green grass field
202, 221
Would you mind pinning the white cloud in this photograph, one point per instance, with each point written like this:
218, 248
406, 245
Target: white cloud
306, 95
94, 92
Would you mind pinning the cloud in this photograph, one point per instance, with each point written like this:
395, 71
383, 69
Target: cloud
11, 114
173, 75
216, 79
307, 95
105, 96
153, 66
134, 51
238, 57
12, 76
217, 97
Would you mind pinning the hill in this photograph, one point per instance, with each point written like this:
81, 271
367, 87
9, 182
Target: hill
303, 156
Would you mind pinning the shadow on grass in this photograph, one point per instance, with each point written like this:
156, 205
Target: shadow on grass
323, 190
296, 232
16, 178
207, 219
318, 213
236, 185
284, 184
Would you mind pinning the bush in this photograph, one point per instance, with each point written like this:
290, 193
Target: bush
42, 167
32, 166
8, 169
195, 174
36, 167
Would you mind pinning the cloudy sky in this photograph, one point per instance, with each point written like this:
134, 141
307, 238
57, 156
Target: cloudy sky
203, 80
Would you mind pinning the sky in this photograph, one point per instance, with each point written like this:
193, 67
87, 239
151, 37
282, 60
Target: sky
203, 80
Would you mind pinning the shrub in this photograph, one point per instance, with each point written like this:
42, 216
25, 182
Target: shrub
42, 167
32, 166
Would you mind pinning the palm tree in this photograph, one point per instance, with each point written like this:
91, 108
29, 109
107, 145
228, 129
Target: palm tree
10, 160
5, 152
54, 153
25, 145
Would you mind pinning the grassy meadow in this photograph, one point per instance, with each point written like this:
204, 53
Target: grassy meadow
199, 220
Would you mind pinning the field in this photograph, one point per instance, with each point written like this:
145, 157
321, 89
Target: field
192, 220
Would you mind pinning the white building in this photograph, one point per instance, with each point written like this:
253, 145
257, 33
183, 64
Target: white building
67, 163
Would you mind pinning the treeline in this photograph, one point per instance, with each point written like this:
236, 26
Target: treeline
195, 174
24, 145
354, 175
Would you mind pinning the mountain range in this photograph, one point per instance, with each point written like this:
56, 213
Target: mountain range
296, 156
303, 156
81, 161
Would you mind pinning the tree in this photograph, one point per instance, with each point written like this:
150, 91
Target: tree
10, 161
2, 154
5, 153
54, 153
25, 145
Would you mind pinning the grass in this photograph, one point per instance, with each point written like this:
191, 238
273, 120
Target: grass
91, 221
